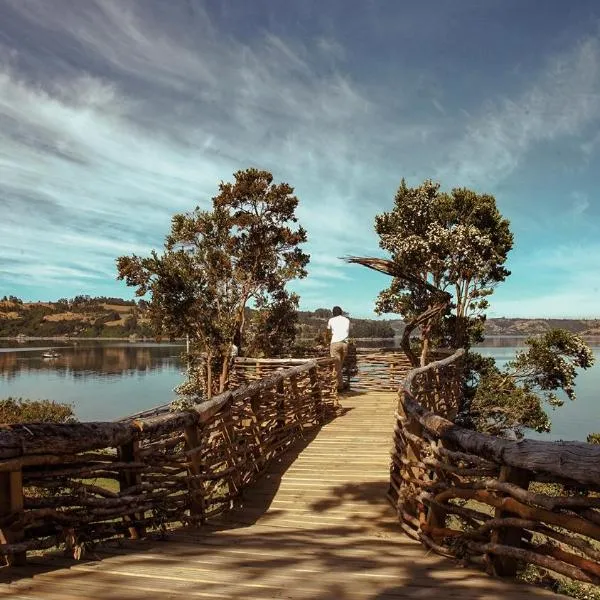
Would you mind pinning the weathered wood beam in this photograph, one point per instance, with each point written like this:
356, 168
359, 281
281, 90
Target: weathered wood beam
575, 461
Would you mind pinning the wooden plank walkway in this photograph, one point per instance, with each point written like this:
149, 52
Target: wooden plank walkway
316, 527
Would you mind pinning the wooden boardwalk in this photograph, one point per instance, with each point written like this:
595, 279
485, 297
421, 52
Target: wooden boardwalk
316, 527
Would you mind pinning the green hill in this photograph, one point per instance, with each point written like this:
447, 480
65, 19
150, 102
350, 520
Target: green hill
84, 316
81, 316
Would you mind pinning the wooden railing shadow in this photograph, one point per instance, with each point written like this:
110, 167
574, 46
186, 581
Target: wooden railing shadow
80, 484
256, 500
323, 564
497, 502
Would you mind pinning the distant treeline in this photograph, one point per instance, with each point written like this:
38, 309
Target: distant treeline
81, 316
516, 327
102, 316
106, 316
314, 323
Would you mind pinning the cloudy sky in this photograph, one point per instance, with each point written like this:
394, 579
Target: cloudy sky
115, 114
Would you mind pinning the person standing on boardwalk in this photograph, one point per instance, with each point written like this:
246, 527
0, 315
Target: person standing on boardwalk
340, 329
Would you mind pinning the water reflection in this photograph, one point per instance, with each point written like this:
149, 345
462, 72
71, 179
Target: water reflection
88, 360
104, 381
100, 380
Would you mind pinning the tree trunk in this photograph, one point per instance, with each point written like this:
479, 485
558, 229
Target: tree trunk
425, 346
209, 375
224, 378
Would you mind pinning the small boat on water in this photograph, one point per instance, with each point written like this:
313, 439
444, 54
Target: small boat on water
50, 354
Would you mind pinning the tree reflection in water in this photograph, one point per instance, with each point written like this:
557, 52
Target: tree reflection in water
89, 359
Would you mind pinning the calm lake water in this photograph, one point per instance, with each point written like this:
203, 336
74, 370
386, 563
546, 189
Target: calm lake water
101, 380
107, 380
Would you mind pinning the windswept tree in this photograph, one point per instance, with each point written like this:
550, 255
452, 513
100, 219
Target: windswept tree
510, 400
214, 263
448, 252
273, 326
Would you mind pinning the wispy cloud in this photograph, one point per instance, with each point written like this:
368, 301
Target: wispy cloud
561, 101
567, 303
561, 281
580, 204
110, 157
115, 114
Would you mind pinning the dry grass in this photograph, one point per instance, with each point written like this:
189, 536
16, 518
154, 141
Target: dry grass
9, 315
115, 323
69, 316
118, 308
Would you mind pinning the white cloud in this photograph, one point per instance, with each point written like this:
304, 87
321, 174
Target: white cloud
575, 303
117, 115
562, 281
588, 147
580, 204
95, 160
562, 101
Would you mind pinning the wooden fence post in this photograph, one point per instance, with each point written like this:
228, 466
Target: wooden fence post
436, 515
192, 442
297, 413
11, 502
507, 536
315, 392
130, 453
280, 392
415, 510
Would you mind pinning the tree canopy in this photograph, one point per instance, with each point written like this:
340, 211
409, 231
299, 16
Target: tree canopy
246, 248
456, 241
507, 401
447, 253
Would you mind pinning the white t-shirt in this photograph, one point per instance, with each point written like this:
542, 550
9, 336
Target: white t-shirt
340, 328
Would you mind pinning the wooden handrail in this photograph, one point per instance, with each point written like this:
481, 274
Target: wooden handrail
440, 469
85, 482
576, 461
280, 362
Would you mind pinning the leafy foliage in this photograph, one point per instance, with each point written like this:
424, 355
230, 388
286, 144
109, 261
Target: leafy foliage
508, 401
458, 242
593, 438
448, 252
273, 326
24, 410
215, 262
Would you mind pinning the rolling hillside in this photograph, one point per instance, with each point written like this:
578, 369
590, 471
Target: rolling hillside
84, 316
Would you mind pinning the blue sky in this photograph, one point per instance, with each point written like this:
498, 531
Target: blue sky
115, 114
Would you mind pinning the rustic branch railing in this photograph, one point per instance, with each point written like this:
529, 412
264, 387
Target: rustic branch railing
473, 496
87, 482
368, 369
376, 369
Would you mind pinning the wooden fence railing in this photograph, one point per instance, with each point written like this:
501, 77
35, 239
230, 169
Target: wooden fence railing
77, 484
369, 369
473, 496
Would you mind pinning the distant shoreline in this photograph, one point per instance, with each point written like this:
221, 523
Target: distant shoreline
182, 340
61, 338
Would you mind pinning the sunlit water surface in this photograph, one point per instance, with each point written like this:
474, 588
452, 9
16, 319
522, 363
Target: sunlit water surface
108, 380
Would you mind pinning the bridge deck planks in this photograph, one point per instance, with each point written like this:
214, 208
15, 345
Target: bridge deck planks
317, 526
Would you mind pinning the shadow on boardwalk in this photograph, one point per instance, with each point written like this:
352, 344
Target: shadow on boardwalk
322, 564
316, 526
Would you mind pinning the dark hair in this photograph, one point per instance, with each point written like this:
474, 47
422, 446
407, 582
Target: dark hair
337, 311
